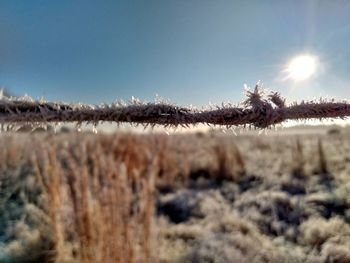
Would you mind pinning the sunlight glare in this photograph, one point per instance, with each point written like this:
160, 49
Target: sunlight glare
302, 67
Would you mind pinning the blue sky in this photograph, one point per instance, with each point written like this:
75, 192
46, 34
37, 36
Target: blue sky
190, 52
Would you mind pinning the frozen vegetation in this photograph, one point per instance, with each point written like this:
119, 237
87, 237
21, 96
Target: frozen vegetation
204, 197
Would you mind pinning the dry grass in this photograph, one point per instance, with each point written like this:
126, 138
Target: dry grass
298, 160
183, 198
99, 198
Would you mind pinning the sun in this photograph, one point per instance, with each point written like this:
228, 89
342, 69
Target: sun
302, 67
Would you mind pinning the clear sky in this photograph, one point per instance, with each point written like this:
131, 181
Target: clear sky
190, 52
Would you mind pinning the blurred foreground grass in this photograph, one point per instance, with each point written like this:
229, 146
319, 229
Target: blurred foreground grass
205, 197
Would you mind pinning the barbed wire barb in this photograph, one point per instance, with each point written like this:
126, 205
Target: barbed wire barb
258, 110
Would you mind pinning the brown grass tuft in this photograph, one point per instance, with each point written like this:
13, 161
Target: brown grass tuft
107, 194
298, 160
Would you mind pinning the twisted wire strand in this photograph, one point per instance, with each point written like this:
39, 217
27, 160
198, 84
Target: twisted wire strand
257, 110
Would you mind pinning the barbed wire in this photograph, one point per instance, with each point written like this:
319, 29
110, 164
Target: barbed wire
258, 110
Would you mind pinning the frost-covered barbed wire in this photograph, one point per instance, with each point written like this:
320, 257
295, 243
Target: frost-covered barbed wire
257, 110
